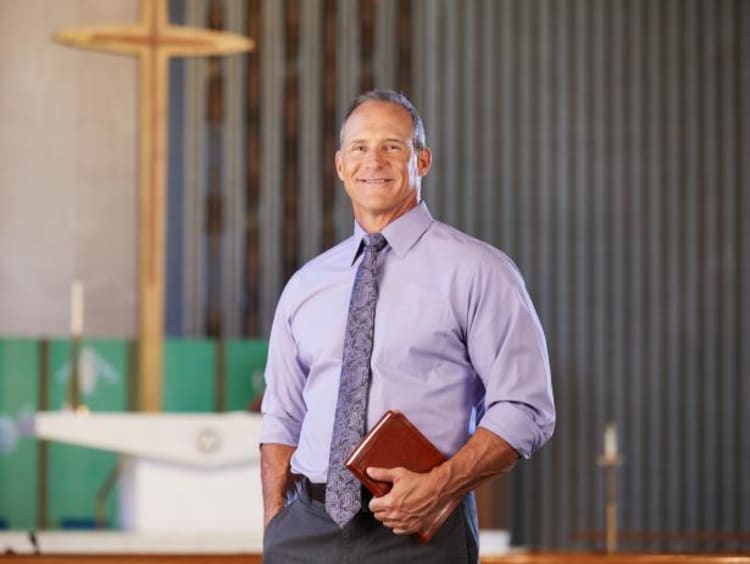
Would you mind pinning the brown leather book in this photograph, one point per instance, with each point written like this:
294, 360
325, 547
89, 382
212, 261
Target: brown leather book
395, 442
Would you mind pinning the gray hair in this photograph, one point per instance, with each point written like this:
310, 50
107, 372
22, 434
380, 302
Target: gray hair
382, 95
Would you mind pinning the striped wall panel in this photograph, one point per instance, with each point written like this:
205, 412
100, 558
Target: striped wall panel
207, 179
611, 168
272, 70
604, 146
234, 165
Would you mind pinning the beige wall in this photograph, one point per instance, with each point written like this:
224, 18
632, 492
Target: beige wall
67, 171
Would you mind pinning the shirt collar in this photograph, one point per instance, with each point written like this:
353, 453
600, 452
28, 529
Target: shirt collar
401, 234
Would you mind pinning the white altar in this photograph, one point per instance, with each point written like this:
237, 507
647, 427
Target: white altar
189, 483
179, 473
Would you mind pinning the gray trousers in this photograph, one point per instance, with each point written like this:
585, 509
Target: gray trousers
304, 533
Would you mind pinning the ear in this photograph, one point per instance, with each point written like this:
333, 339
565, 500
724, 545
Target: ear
424, 161
339, 160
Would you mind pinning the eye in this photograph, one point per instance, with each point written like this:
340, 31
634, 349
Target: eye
393, 147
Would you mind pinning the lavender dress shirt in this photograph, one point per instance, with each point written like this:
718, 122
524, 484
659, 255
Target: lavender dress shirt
457, 344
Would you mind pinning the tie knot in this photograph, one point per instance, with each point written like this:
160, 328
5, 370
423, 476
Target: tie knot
376, 241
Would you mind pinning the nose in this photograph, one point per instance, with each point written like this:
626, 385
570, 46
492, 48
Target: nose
374, 157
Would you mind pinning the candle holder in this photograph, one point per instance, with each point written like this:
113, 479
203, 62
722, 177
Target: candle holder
76, 342
610, 460
74, 383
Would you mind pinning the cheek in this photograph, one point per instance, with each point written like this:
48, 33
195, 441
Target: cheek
413, 172
346, 173
351, 167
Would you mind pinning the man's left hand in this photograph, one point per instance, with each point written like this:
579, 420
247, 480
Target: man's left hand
412, 501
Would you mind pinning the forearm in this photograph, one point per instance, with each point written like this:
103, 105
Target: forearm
483, 456
275, 476
414, 498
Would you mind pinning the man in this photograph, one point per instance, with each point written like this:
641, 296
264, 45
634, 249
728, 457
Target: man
407, 314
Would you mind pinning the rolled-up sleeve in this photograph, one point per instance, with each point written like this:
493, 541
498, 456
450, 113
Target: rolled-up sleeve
508, 351
283, 406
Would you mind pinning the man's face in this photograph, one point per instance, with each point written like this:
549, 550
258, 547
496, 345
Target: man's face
378, 164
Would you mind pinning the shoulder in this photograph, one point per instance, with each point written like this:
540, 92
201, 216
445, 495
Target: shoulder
338, 256
318, 271
491, 284
473, 256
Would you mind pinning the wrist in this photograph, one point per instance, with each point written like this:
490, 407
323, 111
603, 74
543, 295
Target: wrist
273, 505
441, 478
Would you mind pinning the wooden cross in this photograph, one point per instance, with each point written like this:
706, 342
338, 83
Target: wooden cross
153, 40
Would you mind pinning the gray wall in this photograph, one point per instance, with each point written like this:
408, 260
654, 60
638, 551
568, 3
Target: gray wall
604, 145
67, 171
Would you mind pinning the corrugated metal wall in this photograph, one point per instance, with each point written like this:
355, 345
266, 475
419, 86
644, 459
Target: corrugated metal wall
611, 162
604, 145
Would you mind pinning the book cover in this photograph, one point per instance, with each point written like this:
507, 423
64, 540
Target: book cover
395, 442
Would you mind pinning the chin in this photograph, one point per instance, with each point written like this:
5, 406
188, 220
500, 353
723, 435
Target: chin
377, 204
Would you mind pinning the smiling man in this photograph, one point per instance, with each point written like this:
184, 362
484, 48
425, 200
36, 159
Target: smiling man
407, 314
381, 163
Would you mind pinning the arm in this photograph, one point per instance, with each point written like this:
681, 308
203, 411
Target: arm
506, 345
283, 411
275, 477
416, 497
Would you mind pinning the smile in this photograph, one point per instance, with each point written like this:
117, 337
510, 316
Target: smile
375, 180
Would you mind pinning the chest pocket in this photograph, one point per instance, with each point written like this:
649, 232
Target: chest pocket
418, 334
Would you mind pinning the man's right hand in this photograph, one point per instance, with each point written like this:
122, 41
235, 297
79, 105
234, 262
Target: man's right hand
276, 478
270, 513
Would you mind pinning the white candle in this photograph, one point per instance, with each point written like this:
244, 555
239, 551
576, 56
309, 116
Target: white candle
76, 308
610, 440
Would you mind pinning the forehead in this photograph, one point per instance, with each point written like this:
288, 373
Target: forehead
376, 119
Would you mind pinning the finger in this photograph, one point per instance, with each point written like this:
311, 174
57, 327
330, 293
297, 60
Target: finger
381, 474
381, 516
377, 505
384, 516
392, 520
397, 522
393, 524
383, 503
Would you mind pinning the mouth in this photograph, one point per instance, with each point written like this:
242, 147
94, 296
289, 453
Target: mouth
374, 181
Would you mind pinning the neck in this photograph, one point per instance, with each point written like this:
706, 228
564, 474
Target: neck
375, 223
